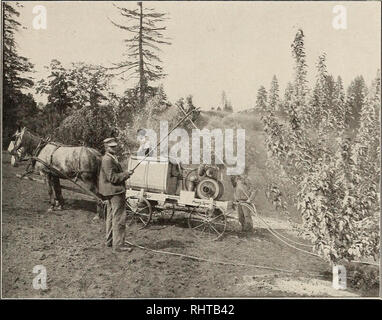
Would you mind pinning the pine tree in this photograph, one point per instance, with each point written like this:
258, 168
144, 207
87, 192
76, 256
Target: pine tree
142, 60
223, 99
15, 69
274, 99
261, 99
225, 103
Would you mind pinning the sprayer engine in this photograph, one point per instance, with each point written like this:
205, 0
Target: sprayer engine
205, 181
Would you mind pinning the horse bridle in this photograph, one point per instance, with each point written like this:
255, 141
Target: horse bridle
35, 153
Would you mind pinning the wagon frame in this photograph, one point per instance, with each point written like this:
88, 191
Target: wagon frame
207, 218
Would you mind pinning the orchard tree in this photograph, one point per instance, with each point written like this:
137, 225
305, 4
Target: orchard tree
145, 38
321, 99
340, 112
327, 200
356, 99
299, 113
274, 99
366, 155
334, 183
287, 100
261, 99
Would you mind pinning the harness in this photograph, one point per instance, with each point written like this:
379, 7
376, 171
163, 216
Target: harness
51, 155
32, 161
79, 165
43, 143
78, 171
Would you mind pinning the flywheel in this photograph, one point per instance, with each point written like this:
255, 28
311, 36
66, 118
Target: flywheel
209, 188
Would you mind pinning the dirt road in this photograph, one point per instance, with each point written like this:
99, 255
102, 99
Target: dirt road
70, 245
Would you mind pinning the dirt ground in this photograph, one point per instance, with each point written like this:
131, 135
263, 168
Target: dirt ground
70, 245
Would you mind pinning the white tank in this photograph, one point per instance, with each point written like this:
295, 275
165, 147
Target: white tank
153, 175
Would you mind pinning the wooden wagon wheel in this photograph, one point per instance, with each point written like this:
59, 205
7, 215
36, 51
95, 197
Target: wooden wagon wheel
210, 225
138, 212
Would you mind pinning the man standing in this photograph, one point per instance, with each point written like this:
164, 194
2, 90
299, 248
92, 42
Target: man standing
112, 186
242, 193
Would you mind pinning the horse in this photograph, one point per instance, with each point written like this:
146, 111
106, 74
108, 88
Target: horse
73, 161
20, 154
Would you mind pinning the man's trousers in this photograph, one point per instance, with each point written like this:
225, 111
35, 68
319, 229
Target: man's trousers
115, 221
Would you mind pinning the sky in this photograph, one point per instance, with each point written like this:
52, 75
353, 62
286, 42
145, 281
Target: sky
234, 46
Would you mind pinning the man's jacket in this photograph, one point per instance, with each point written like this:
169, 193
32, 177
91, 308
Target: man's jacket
111, 177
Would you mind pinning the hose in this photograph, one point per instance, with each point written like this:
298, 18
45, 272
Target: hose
274, 233
279, 234
216, 261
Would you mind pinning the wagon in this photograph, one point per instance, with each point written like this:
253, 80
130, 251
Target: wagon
160, 185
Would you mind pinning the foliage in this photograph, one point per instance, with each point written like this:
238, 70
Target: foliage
285, 104
274, 99
261, 99
90, 84
157, 109
226, 104
321, 104
56, 87
363, 277
79, 88
88, 126
332, 176
142, 60
187, 105
339, 111
17, 106
356, 98
299, 112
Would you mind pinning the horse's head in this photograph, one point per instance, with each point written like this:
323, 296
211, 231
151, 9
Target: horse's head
18, 131
26, 141
19, 139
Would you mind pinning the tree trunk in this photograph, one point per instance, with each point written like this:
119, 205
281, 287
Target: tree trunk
141, 69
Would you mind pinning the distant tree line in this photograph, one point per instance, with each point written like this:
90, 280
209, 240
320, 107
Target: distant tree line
81, 107
16, 77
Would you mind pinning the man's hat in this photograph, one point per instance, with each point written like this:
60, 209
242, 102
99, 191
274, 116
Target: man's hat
110, 142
